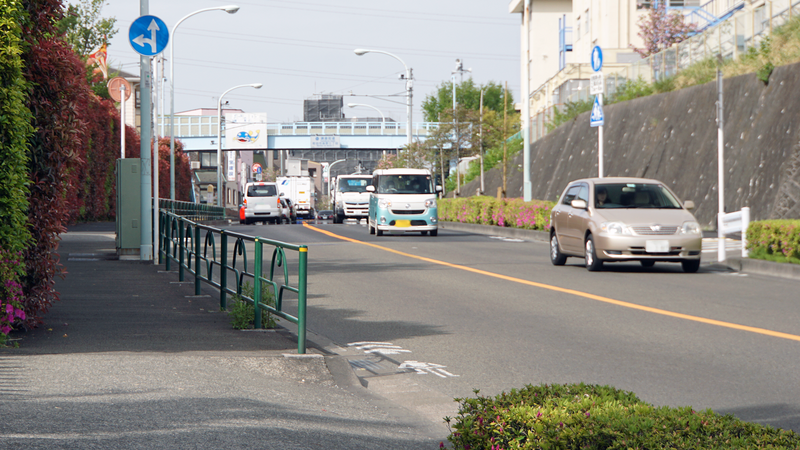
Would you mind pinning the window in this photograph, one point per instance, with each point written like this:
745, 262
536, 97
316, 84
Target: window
268, 190
405, 184
572, 194
586, 31
578, 28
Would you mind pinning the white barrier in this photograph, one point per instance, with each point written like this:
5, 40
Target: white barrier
731, 223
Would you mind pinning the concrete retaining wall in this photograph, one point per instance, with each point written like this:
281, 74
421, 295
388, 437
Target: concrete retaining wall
673, 138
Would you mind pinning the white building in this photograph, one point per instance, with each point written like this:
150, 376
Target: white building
562, 33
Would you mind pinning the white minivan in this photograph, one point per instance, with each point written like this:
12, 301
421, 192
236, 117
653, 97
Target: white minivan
403, 200
262, 203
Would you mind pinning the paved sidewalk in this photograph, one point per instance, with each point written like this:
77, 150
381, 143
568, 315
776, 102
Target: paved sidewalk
130, 358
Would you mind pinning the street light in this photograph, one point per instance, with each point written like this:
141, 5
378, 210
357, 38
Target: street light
409, 87
230, 9
219, 137
383, 118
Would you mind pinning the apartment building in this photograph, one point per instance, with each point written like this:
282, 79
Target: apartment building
562, 33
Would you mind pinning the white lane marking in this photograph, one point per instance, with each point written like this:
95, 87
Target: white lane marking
383, 348
423, 368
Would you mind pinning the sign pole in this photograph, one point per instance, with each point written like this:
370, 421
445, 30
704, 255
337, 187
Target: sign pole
122, 122
600, 144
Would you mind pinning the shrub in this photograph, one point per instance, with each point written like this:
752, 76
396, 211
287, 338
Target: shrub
242, 312
11, 313
580, 416
483, 210
775, 240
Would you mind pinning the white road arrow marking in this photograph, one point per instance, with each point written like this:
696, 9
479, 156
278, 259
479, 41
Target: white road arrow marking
141, 40
423, 368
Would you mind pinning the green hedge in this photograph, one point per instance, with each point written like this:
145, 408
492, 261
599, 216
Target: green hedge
774, 240
579, 416
482, 210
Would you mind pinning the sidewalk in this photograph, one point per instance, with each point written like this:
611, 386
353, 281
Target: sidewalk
130, 358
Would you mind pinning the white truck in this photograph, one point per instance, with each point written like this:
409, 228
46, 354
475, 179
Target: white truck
350, 197
300, 190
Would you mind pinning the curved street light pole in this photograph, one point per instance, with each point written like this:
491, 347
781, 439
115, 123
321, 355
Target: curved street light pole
219, 137
409, 88
230, 9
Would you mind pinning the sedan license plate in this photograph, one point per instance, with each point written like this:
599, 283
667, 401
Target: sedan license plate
402, 223
661, 246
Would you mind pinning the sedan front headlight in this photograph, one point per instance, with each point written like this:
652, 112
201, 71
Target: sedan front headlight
615, 228
430, 203
690, 227
383, 203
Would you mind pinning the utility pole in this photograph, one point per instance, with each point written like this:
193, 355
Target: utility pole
456, 138
146, 227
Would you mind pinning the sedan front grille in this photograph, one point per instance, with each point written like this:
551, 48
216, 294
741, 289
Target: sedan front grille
655, 230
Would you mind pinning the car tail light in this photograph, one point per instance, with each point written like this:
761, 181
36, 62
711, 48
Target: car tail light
245, 203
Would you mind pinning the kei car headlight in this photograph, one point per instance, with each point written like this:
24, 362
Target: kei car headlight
383, 203
690, 228
615, 228
430, 203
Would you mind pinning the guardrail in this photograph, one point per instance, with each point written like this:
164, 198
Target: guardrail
733, 223
192, 211
193, 247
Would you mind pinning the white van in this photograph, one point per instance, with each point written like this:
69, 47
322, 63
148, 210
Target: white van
262, 203
403, 200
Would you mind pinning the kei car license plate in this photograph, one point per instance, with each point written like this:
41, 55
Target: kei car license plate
402, 223
661, 246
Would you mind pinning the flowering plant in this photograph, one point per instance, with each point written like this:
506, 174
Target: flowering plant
10, 293
508, 212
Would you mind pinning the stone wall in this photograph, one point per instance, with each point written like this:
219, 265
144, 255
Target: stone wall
673, 138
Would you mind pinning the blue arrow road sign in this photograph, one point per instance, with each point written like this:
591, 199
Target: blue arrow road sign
597, 58
148, 35
596, 119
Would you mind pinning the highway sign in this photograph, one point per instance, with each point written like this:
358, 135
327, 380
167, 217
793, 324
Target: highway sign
596, 85
597, 58
596, 119
148, 35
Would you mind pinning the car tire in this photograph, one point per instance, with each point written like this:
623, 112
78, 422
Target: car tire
378, 232
690, 265
647, 263
435, 232
423, 233
371, 230
556, 257
592, 263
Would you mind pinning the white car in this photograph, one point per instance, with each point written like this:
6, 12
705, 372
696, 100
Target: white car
262, 203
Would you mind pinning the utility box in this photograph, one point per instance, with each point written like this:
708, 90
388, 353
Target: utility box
129, 208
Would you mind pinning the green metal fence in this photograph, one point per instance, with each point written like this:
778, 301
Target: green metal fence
213, 255
192, 211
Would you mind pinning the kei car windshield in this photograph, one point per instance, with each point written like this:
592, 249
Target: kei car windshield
634, 195
405, 184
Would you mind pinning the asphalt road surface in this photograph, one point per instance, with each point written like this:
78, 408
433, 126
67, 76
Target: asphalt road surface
427, 319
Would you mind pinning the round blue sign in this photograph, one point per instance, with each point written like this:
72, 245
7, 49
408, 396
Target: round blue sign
148, 35
597, 58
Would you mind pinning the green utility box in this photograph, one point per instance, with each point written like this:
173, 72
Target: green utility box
129, 207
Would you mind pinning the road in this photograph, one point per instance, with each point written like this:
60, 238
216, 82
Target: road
465, 311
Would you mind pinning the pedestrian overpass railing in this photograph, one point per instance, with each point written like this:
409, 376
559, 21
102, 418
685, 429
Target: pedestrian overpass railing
214, 255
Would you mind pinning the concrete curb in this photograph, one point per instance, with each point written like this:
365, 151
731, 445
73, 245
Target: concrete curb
762, 267
517, 233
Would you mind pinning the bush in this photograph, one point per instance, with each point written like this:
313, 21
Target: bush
11, 313
580, 416
242, 312
482, 210
774, 240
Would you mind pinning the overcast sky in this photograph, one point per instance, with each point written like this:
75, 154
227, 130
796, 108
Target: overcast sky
300, 48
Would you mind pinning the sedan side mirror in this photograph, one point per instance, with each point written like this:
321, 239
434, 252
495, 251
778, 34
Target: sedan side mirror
688, 204
370, 188
578, 204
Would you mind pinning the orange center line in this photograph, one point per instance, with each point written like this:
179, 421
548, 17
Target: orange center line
598, 298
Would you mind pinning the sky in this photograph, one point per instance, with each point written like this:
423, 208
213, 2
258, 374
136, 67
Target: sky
301, 48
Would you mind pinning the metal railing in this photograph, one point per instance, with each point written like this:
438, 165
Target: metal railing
193, 247
192, 211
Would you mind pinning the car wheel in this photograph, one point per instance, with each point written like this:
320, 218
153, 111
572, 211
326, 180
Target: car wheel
592, 263
378, 232
556, 257
435, 232
371, 230
647, 263
690, 265
423, 233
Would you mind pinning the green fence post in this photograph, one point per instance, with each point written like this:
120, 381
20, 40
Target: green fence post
223, 274
160, 235
197, 260
181, 249
167, 240
257, 287
301, 299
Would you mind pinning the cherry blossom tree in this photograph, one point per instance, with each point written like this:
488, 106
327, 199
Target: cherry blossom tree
662, 28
